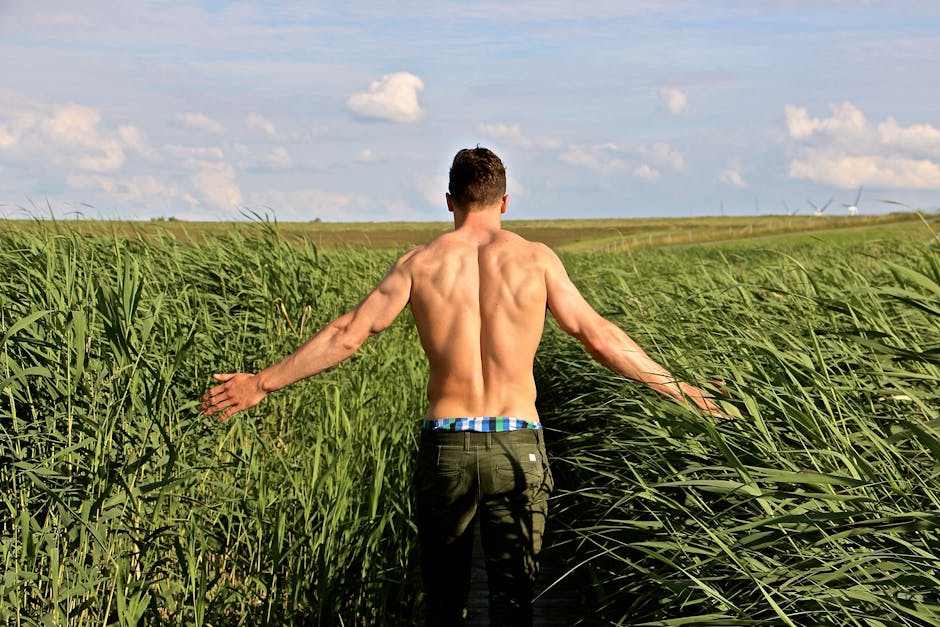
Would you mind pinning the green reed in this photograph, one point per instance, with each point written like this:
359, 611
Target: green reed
820, 505
120, 505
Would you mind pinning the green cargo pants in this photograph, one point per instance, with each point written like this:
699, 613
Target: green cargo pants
502, 479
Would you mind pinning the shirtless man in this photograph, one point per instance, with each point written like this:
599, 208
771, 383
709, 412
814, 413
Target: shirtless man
478, 296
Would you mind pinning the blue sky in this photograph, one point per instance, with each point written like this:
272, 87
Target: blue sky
353, 111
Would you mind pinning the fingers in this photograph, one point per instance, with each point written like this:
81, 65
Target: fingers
217, 399
236, 392
226, 415
212, 405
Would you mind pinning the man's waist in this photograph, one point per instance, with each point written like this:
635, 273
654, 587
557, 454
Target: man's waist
480, 424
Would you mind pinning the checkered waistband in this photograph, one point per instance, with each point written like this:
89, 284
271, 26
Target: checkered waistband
483, 424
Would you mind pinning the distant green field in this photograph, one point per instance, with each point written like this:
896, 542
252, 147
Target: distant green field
563, 235
121, 505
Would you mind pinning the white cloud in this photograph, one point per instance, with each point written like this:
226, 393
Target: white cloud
17, 124
69, 136
732, 177
675, 99
646, 172
215, 183
366, 155
72, 124
512, 136
847, 150
848, 171
132, 137
213, 179
277, 159
143, 189
847, 124
193, 156
201, 122
598, 157
922, 139
663, 154
390, 97
313, 203
258, 122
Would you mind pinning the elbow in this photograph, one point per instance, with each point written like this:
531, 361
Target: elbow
350, 342
598, 346
345, 341
348, 345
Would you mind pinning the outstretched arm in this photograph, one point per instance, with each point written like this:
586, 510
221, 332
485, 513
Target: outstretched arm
335, 342
610, 345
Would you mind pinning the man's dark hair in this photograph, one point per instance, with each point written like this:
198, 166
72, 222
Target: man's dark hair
477, 179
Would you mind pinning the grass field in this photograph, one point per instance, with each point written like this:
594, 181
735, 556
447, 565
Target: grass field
121, 505
588, 235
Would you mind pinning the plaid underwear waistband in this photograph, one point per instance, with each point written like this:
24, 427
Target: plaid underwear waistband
484, 424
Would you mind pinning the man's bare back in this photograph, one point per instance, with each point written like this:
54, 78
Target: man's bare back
478, 299
478, 296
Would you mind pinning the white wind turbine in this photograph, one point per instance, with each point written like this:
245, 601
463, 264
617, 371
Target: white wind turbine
818, 211
853, 208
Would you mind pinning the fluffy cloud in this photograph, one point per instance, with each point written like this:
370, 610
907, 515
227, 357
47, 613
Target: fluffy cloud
69, 136
848, 171
390, 97
258, 122
277, 159
212, 178
646, 172
674, 99
662, 154
847, 150
215, 183
307, 204
366, 155
73, 145
601, 158
193, 156
732, 177
6, 137
143, 190
200, 122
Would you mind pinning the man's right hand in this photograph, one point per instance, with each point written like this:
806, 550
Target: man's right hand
237, 392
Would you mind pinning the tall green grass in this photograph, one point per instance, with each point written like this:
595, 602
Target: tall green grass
120, 505
821, 505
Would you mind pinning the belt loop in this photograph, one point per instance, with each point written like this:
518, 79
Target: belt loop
466, 441
489, 441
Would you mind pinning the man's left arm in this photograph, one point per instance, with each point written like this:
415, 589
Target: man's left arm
335, 342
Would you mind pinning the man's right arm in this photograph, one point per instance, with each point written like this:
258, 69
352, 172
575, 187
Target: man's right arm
334, 343
609, 344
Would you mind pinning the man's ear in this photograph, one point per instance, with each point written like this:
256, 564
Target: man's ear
450, 202
502, 207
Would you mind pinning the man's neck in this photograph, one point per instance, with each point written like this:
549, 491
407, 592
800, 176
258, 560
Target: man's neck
484, 220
